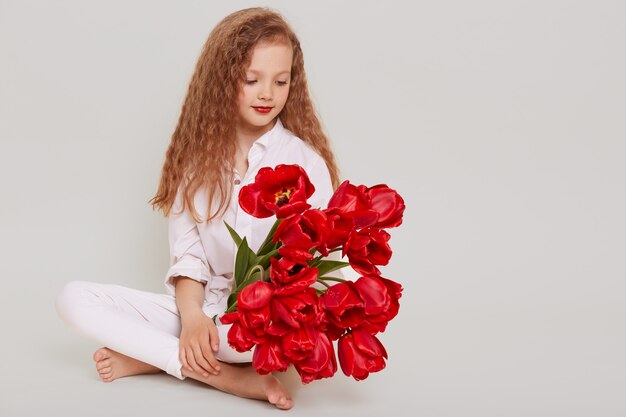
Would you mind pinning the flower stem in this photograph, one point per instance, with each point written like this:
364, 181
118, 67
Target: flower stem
323, 283
316, 261
253, 270
331, 279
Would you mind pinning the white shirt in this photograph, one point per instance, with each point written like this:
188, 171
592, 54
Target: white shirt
206, 252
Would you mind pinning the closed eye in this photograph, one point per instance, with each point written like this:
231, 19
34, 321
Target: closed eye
250, 82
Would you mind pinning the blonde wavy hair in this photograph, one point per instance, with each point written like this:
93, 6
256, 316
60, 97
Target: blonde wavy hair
202, 147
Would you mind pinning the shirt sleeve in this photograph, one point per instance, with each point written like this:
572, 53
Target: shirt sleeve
187, 256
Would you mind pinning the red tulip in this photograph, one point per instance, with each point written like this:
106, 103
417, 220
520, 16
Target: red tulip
240, 339
354, 202
360, 353
298, 310
380, 296
254, 296
338, 229
304, 231
367, 248
295, 255
279, 328
269, 357
378, 206
388, 204
343, 305
281, 191
253, 306
291, 277
332, 330
299, 343
229, 318
321, 363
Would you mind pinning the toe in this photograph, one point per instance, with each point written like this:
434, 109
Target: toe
106, 363
105, 370
100, 354
284, 403
272, 397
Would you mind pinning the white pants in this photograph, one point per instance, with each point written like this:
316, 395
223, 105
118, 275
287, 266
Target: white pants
140, 324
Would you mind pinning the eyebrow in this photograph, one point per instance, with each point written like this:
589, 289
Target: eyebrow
261, 72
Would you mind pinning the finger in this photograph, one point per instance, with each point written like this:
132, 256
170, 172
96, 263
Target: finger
201, 360
215, 338
182, 355
192, 361
210, 358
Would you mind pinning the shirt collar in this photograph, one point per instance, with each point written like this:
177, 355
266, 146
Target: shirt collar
265, 139
260, 145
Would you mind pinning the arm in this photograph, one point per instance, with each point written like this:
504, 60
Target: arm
198, 330
185, 279
187, 256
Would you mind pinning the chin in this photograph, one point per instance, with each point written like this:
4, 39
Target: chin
259, 123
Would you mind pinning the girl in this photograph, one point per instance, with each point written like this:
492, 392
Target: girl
247, 107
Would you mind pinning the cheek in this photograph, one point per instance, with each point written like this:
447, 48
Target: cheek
244, 95
284, 94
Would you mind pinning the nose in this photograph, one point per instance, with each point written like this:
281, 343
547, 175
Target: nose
266, 91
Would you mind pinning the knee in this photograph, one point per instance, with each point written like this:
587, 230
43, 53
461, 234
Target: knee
69, 300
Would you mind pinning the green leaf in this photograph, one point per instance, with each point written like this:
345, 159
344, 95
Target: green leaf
264, 260
234, 234
256, 276
231, 299
315, 262
252, 260
268, 244
241, 262
255, 273
325, 267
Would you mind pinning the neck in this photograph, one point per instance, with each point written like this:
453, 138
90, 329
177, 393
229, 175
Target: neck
247, 135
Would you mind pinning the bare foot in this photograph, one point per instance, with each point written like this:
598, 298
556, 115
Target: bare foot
246, 382
276, 393
112, 365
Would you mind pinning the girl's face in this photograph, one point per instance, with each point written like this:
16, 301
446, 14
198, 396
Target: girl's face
266, 86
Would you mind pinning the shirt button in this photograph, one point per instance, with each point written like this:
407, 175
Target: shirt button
237, 182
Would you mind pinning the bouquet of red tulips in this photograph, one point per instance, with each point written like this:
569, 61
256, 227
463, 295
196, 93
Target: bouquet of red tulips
284, 303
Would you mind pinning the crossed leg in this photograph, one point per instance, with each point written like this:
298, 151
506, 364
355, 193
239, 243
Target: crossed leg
140, 330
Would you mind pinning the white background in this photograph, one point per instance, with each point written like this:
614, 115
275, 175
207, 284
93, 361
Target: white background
502, 123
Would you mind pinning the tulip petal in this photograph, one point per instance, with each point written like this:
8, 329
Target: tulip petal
374, 293
255, 295
368, 343
251, 203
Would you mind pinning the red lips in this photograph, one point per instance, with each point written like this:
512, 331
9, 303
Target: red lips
262, 109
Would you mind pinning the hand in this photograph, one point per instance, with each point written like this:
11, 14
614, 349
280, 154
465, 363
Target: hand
198, 335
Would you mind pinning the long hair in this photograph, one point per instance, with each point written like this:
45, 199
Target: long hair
202, 147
